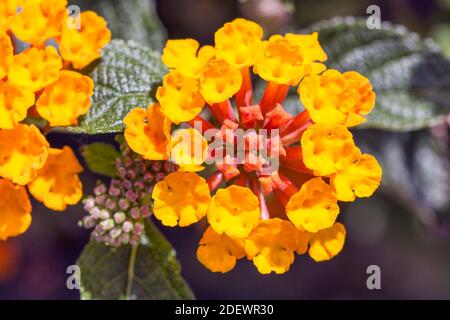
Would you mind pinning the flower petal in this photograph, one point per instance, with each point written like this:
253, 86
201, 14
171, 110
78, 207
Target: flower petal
314, 207
234, 211
57, 184
326, 244
182, 198
271, 246
219, 252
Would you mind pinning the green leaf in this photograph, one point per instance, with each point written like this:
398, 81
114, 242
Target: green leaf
125, 78
100, 158
146, 271
410, 76
130, 19
415, 170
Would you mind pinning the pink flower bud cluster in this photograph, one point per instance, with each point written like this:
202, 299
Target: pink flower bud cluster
116, 213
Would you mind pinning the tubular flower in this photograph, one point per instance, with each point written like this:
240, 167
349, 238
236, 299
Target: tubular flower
219, 252
219, 81
148, 132
337, 98
34, 68
184, 56
188, 149
15, 208
286, 60
327, 148
271, 245
234, 211
23, 151
238, 42
66, 99
359, 179
314, 207
14, 103
39, 21
57, 184
326, 244
182, 198
82, 46
256, 150
179, 97
6, 52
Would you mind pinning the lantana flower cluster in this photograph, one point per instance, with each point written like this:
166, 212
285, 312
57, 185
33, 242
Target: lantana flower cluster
267, 216
41, 81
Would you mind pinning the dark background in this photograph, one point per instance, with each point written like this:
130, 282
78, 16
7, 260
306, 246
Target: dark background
414, 258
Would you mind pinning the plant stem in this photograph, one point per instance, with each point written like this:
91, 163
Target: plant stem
131, 270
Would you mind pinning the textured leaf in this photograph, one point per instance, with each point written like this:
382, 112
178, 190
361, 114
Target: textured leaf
100, 158
410, 76
126, 77
415, 170
130, 19
155, 273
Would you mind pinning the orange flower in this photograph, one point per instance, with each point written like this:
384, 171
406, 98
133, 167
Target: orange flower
326, 244
15, 208
234, 211
81, 47
219, 252
148, 132
14, 103
182, 198
39, 21
179, 97
337, 98
23, 151
34, 68
271, 246
63, 101
184, 56
57, 184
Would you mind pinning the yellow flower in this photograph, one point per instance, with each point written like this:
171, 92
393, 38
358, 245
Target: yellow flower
219, 81
219, 252
184, 56
234, 211
326, 244
333, 97
35, 68
359, 179
314, 207
6, 52
14, 103
10, 8
148, 132
63, 101
327, 148
83, 46
40, 21
57, 184
15, 208
188, 149
271, 245
286, 60
179, 97
23, 151
182, 198
239, 42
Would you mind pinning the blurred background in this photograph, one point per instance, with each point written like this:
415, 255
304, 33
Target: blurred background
404, 228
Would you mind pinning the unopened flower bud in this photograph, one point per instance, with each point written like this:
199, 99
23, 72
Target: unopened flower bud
127, 226
119, 217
